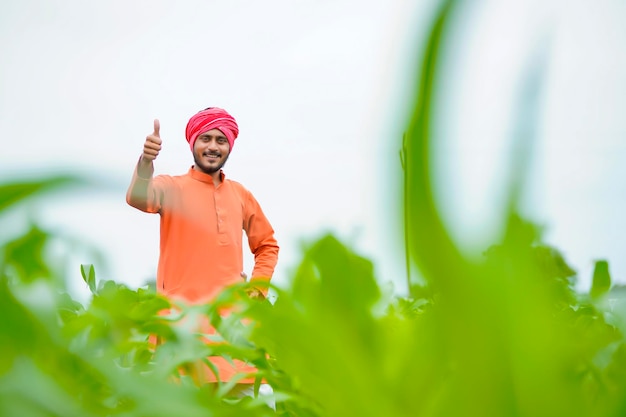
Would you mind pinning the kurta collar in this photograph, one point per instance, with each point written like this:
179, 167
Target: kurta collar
201, 176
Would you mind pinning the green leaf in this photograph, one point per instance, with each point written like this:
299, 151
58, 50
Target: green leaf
16, 191
88, 273
601, 283
25, 255
18, 330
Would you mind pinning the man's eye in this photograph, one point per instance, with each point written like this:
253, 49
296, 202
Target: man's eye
222, 141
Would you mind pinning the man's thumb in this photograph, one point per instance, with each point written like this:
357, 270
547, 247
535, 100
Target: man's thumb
157, 127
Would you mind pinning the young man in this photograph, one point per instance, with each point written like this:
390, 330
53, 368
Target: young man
203, 215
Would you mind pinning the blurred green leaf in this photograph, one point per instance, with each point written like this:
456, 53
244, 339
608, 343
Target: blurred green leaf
18, 333
24, 256
601, 280
429, 242
15, 191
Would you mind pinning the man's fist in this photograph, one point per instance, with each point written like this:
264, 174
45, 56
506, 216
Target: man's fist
152, 146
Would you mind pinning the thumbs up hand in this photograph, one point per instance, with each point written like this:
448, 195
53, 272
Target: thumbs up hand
152, 146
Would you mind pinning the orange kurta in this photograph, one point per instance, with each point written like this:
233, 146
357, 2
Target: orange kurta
201, 234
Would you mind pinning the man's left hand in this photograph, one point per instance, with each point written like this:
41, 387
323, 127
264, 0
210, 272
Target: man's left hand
255, 294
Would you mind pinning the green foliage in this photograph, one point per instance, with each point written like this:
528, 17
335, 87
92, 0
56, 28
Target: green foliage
15, 192
24, 255
511, 337
601, 279
506, 336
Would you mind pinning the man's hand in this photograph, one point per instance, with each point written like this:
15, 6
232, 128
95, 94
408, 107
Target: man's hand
152, 146
253, 293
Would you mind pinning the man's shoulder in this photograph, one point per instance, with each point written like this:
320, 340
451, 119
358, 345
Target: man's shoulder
236, 185
167, 181
167, 177
233, 183
175, 177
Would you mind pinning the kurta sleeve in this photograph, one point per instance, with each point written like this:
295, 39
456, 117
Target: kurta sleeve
260, 239
145, 192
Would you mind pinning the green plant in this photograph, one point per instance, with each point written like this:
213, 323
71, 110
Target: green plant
504, 336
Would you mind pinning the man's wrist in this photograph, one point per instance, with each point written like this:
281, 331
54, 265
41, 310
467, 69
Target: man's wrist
145, 168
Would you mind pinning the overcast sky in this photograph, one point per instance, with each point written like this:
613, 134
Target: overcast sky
319, 89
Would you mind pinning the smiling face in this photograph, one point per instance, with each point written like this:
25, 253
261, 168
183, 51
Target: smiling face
210, 151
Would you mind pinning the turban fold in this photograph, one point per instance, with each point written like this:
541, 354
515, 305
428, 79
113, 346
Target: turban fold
212, 118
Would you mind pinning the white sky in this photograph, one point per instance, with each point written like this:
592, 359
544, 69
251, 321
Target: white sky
317, 88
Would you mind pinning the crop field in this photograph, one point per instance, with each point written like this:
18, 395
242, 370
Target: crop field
508, 335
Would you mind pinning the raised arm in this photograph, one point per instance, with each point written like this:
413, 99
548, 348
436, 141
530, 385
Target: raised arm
140, 193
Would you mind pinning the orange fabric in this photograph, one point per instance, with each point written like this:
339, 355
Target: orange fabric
201, 236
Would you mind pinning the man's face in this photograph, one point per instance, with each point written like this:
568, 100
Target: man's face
210, 151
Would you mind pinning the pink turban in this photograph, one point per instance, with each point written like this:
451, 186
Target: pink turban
212, 118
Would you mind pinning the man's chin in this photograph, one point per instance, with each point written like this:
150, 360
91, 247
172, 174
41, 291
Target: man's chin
209, 169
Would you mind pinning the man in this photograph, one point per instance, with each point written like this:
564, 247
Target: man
203, 215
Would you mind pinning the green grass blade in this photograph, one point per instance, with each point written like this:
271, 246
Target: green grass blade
429, 242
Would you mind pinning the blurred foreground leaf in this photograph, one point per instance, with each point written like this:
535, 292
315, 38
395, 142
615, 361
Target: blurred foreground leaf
15, 191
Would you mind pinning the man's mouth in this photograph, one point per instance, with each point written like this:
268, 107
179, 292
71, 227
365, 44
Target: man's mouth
212, 155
